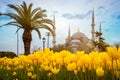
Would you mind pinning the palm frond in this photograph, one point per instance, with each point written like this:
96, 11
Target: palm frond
48, 21
33, 12
24, 7
44, 10
39, 34
37, 16
18, 30
14, 16
18, 9
47, 28
30, 8
12, 23
22, 10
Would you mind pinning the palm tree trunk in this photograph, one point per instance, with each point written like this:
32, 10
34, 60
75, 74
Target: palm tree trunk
27, 38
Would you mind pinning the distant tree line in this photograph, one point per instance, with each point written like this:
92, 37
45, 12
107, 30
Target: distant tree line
7, 54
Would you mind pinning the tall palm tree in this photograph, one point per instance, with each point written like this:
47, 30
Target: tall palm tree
29, 19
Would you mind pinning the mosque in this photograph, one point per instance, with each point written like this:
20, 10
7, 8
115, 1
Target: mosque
79, 41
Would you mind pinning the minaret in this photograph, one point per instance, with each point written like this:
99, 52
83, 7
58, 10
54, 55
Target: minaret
100, 38
54, 31
69, 33
68, 37
100, 27
93, 26
100, 31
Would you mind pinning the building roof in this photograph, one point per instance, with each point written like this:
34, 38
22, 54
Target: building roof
79, 36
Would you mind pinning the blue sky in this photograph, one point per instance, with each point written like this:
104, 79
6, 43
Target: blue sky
76, 13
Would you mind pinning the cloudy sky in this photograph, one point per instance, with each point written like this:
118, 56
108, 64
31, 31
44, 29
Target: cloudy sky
73, 13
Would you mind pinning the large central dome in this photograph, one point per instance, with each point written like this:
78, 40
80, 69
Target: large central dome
79, 36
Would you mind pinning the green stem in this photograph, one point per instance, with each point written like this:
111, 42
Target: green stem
77, 77
112, 71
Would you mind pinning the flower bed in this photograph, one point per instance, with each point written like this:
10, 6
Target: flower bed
47, 65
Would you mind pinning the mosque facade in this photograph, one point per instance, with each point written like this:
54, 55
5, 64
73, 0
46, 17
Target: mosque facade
79, 41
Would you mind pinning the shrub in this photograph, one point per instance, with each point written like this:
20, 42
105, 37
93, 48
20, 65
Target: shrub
7, 54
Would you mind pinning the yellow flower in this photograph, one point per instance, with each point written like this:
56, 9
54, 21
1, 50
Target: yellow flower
79, 63
31, 68
67, 60
14, 73
16, 62
75, 72
98, 61
29, 74
20, 67
49, 74
105, 56
34, 76
113, 52
8, 68
55, 70
115, 66
59, 61
71, 66
83, 69
109, 65
46, 68
99, 72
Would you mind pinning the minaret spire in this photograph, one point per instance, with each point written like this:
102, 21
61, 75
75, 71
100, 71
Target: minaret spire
54, 31
69, 32
93, 26
100, 27
69, 35
100, 31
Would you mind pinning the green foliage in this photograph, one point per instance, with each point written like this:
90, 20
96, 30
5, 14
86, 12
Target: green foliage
59, 48
7, 54
100, 42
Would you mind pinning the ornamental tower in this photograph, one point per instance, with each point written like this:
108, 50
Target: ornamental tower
100, 27
69, 33
100, 31
93, 26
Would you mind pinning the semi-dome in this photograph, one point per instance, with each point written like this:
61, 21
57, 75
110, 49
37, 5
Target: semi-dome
75, 43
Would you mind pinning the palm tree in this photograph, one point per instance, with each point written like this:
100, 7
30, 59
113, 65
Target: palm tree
29, 19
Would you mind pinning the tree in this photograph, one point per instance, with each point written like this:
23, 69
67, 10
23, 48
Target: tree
7, 54
58, 48
28, 19
100, 42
